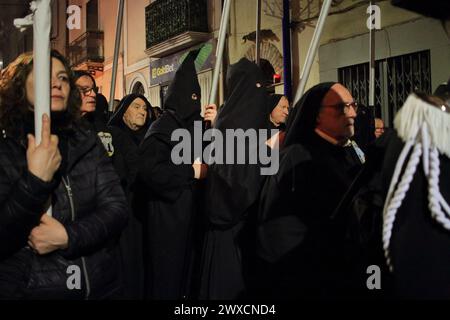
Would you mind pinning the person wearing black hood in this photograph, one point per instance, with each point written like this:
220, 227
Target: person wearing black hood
168, 192
279, 111
232, 189
128, 126
296, 232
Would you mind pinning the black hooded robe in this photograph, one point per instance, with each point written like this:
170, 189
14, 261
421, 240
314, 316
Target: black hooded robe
167, 192
298, 240
232, 190
125, 144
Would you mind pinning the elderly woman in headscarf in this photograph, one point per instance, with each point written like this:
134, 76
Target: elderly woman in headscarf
128, 126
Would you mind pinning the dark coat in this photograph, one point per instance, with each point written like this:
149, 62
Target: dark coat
300, 243
419, 245
232, 189
93, 221
297, 234
125, 156
126, 142
166, 192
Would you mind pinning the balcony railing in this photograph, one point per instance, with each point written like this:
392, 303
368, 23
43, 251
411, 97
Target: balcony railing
168, 18
86, 48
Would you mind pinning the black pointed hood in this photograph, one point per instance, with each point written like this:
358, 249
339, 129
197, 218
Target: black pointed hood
184, 94
245, 108
246, 104
303, 119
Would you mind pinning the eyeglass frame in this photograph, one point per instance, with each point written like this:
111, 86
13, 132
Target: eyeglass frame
87, 91
344, 106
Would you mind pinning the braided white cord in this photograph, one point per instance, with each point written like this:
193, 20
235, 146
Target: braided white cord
426, 126
435, 199
397, 171
392, 206
426, 148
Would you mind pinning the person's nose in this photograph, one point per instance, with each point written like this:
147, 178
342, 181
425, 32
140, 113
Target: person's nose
351, 112
56, 83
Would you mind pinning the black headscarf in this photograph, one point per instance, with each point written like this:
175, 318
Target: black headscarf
274, 99
117, 118
303, 119
246, 104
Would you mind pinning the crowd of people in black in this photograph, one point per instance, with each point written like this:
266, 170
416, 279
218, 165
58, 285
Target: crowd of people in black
133, 224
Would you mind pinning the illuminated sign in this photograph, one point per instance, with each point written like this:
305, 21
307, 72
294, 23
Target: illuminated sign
163, 70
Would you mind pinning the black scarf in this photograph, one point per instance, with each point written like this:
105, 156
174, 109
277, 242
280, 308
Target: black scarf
303, 119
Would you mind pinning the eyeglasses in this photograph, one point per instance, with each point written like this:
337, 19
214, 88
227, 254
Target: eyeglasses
87, 91
345, 106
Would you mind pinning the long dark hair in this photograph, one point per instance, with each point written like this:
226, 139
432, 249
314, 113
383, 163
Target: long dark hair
14, 106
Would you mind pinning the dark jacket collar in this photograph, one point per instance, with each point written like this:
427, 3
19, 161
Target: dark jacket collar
80, 142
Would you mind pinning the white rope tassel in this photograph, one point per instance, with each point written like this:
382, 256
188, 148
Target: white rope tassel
392, 206
428, 128
414, 113
436, 201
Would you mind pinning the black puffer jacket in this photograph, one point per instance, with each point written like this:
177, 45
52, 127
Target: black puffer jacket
87, 199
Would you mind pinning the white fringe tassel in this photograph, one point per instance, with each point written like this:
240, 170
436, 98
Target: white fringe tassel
426, 131
414, 113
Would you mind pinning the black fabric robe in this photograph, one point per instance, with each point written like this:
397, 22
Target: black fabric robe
167, 192
125, 143
300, 244
232, 190
418, 246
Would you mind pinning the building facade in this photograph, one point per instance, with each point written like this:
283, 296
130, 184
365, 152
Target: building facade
412, 52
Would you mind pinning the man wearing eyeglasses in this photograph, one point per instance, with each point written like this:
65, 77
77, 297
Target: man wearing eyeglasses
298, 230
336, 117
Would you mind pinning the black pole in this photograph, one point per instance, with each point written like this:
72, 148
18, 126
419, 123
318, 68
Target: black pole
258, 28
287, 57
